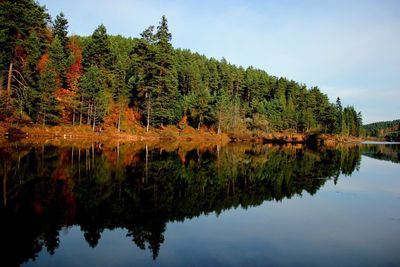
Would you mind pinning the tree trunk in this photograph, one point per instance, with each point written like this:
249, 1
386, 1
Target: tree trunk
219, 122
119, 119
94, 119
80, 116
73, 117
148, 112
89, 121
92, 156
9, 81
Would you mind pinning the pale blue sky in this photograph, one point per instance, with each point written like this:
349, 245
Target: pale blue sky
349, 49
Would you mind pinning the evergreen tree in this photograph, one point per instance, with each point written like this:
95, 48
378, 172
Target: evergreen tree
18, 19
48, 109
97, 51
60, 29
198, 106
93, 95
166, 106
221, 112
58, 59
23, 35
143, 71
339, 117
25, 85
65, 59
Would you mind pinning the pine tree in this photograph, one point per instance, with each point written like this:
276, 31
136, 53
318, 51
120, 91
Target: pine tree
221, 112
198, 105
166, 107
18, 19
26, 85
93, 95
48, 109
144, 70
23, 31
339, 117
98, 52
60, 29
58, 59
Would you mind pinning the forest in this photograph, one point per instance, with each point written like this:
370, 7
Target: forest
389, 130
48, 77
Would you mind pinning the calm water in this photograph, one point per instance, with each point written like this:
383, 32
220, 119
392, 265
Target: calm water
238, 205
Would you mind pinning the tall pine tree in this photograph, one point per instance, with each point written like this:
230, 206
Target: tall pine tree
166, 104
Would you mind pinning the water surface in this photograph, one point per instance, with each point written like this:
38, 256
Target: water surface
237, 205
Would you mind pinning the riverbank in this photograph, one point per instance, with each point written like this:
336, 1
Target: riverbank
168, 134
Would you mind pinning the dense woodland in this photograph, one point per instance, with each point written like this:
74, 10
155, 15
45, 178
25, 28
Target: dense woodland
384, 129
48, 77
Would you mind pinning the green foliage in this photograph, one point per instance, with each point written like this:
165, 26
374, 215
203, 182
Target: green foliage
166, 107
57, 57
388, 129
97, 51
18, 19
60, 29
198, 106
48, 109
93, 95
352, 121
154, 77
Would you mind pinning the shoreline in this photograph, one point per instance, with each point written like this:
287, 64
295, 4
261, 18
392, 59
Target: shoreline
170, 134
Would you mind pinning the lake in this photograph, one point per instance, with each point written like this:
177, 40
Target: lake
93, 204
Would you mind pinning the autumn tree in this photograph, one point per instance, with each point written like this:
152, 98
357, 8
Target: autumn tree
47, 106
73, 76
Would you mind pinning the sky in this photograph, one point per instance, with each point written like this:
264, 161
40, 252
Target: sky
349, 49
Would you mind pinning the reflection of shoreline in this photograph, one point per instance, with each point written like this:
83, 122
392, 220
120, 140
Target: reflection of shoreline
106, 187
379, 143
388, 152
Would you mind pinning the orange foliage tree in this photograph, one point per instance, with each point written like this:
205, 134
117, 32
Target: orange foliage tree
74, 73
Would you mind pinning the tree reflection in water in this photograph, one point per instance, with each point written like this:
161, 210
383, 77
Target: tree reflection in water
141, 189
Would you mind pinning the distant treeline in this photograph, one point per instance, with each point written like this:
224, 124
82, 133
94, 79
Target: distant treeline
48, 77
387, 129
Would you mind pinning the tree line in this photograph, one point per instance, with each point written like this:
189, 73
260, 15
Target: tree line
48, 77
387, 129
